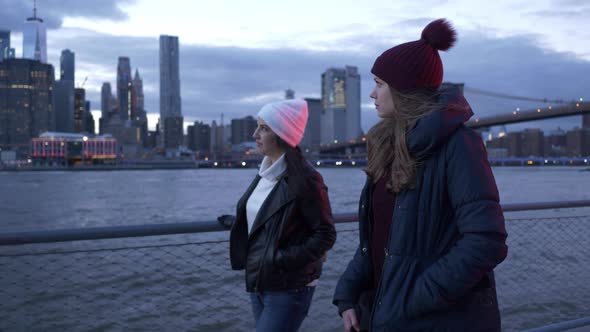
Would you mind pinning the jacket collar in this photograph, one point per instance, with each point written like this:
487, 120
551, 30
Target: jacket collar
433, 130
279, 196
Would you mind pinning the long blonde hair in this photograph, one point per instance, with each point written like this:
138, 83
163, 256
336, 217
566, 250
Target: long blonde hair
387, 149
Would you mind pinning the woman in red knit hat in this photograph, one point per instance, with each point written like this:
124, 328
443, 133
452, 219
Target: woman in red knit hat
430, 224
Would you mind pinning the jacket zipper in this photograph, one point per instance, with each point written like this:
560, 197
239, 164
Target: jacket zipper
378, 292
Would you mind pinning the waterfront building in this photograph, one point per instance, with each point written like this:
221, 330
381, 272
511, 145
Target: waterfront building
312, 136
173, 132
26, 102
199, 137
66, 149
578, 142
341, 105
243, 129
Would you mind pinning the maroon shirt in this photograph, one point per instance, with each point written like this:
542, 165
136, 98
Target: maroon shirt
383, 205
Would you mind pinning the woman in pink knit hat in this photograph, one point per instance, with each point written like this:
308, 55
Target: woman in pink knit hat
430, 224
284, 224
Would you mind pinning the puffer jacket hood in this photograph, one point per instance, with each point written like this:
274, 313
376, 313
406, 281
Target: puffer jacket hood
433, 130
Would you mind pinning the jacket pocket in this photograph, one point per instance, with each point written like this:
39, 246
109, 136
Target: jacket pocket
412, 302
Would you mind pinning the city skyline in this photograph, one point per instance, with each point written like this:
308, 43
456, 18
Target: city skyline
235, 70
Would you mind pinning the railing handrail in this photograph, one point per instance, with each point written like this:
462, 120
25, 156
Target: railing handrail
111, 232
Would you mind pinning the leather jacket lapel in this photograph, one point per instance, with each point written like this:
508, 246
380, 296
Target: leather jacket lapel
279, 196
241, 207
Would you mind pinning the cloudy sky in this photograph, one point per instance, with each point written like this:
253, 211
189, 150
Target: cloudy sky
237, 55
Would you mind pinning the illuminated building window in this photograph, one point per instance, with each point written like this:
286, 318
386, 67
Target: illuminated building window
339, 96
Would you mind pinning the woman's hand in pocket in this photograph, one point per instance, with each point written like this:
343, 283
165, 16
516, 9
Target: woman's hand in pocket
350, 321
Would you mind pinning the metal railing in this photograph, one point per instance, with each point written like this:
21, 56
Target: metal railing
177, 276
98, 233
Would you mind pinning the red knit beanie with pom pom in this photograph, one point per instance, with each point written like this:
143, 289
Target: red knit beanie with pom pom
417, 65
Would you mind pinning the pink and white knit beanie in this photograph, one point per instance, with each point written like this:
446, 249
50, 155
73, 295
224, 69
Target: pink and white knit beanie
287, 119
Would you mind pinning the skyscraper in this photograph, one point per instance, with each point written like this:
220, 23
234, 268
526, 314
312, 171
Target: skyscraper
311, 137
124, 87
170, 111
80, 110
89, 119
4, 44
26, 106
173, 132
137, 110
199, 137
105, 100
341, 105
67, 65
169, 77
35, 38
242, 130
63, 103
138, 114
106, 108
63, 94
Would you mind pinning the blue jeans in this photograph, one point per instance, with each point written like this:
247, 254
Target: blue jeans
281, 310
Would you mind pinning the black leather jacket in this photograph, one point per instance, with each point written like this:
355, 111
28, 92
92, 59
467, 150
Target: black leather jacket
289, 238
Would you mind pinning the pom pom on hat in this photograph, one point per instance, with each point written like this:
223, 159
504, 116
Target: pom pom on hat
440, 34
417, 65
287, 119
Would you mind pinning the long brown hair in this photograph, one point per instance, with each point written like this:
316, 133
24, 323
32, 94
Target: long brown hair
388, 154
297, 167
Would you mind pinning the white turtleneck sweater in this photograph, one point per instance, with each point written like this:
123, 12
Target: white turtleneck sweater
269, 177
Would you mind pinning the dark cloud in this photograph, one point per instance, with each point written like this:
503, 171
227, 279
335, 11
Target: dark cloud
14, 12
238, 81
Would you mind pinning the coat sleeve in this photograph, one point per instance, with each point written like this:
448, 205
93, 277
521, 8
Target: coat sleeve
474, 198
358, 275
355, 279
317, 213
